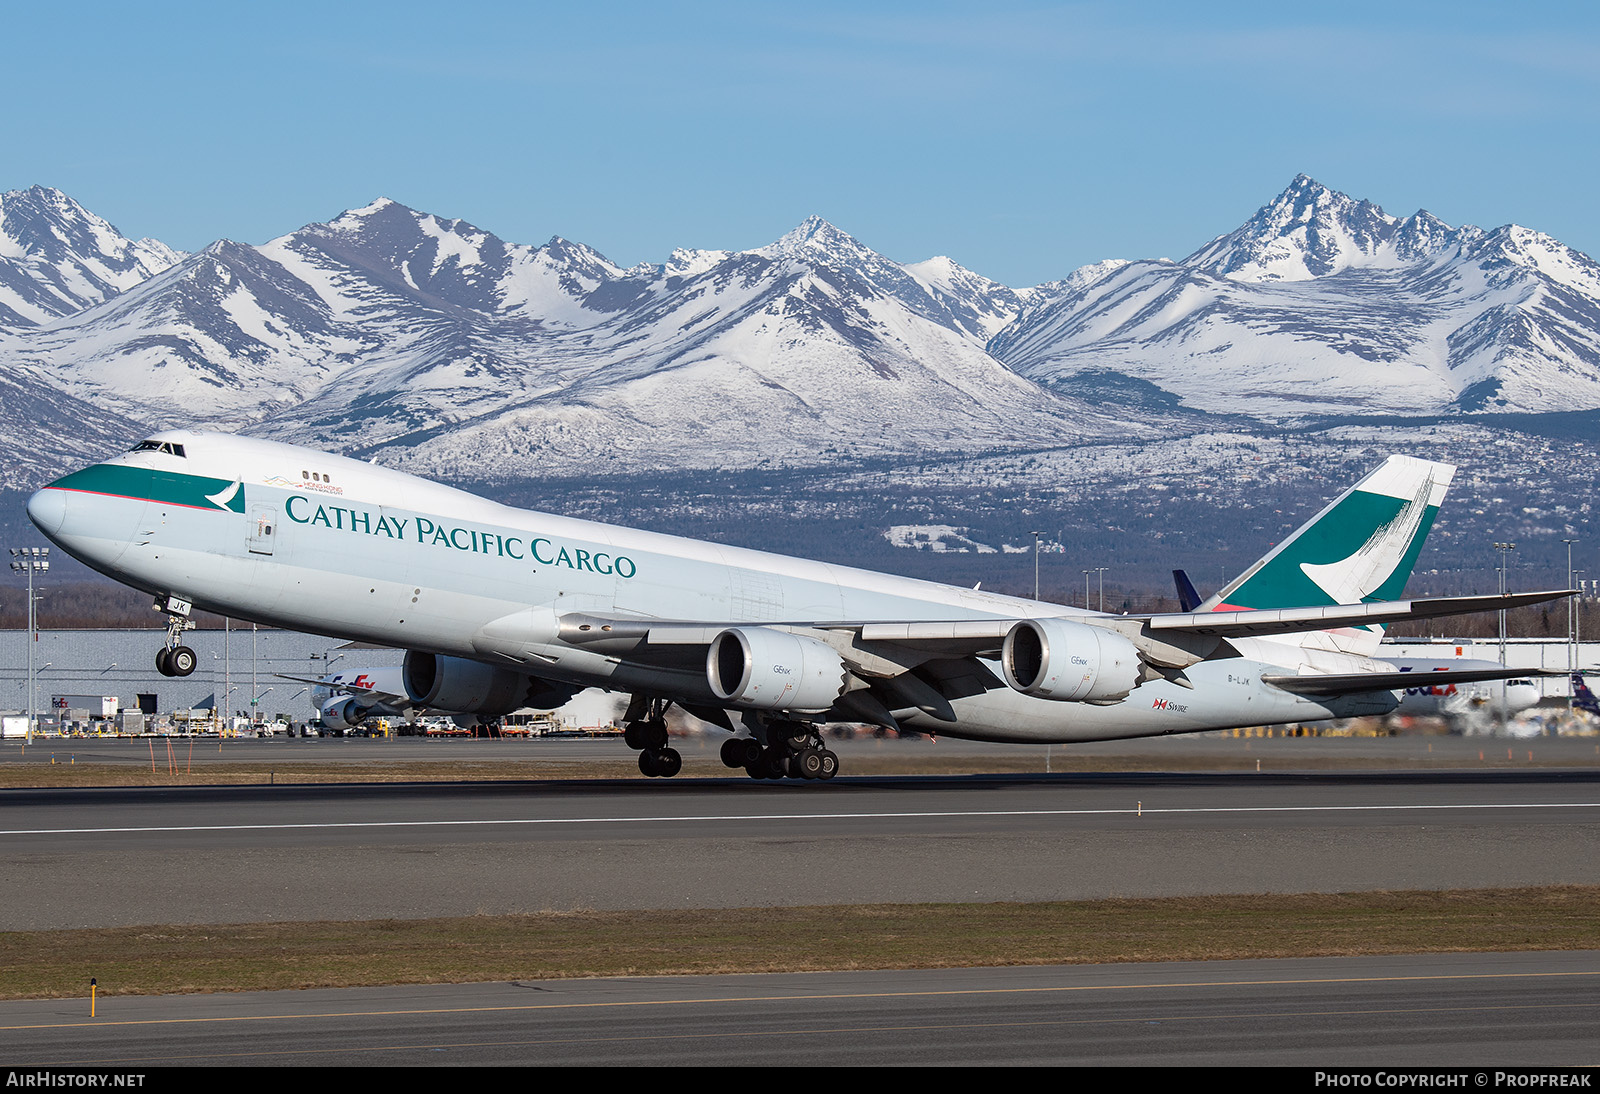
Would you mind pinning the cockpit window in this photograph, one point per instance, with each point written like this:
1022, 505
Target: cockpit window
160, 446
1520, 683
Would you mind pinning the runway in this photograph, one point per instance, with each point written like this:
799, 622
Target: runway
81, 858
1472, 1012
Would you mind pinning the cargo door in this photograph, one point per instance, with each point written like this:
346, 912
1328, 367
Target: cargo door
263, 528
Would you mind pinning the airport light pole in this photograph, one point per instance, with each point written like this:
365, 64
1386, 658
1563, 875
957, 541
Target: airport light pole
1101, 570
1572, 645
31, 560
255, 710
1505, 549
1577, 624
1086, 574
1036, 536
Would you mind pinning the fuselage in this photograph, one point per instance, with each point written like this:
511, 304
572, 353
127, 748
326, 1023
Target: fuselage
291, 537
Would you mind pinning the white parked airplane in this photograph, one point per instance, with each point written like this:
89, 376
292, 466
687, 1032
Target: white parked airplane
1498, 696
343, 700
346, 700
502, 608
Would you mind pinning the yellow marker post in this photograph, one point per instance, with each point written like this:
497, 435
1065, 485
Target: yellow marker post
91, 996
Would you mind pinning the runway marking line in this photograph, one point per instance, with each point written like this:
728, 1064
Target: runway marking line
923, 1027
834, 996
752, 817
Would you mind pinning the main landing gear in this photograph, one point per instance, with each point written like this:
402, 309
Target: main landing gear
794, 750
175, 659
646, 731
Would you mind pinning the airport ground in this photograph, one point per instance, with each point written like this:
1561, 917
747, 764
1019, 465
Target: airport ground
205, 760
1165, 850
1470, 1013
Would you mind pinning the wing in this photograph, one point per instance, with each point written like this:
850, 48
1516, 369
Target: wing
1352, 683
901, 665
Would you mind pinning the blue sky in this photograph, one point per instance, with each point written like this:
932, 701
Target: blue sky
1023, 140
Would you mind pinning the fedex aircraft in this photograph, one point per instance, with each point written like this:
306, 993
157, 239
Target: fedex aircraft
343, 700
502, 608
1497, 696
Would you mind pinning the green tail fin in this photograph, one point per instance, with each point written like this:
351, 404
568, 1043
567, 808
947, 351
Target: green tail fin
1362, 547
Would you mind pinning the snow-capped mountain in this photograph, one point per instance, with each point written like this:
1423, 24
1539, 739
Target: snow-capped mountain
1311, 231
57, 258
431, 343
1321, 304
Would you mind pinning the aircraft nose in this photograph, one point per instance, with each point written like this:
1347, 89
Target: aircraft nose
48, 509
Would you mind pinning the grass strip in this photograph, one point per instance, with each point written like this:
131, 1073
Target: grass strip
275, 956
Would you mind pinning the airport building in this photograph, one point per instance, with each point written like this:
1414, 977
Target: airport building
238, 670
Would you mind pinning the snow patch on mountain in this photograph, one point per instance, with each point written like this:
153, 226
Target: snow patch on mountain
57, 258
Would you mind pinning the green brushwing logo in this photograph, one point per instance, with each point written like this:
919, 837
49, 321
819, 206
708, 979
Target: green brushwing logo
193, 491
1363, 549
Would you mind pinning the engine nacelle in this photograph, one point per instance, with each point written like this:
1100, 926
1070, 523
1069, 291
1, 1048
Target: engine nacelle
342, 712
471, 687
1070, 662
757, 668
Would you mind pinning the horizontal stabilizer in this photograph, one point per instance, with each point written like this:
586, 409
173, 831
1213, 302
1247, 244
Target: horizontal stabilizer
1351, 683
1297, 620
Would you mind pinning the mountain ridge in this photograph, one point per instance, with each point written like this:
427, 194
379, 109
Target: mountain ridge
430, 343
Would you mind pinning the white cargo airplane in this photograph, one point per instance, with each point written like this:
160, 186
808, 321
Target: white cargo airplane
502, 608
1462, 700
345, 700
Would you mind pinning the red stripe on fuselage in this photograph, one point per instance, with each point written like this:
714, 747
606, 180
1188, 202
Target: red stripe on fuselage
135, 497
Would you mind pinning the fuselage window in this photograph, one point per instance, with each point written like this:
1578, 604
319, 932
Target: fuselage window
305, 474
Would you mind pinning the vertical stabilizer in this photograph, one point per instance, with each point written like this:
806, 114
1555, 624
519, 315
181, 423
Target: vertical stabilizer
1361, 548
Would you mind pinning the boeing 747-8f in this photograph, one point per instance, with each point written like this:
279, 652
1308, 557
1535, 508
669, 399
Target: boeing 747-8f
502, 608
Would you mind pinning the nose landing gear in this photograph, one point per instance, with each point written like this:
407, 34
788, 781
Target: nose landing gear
176, 659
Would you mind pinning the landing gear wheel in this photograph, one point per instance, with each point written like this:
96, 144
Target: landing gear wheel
660, 762
807, 764
182, 661
740, 752
164, 661
668, 762
830, 765
651, 734
791, 735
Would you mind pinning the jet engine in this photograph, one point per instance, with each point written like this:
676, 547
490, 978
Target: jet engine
471, 687
757, 668
342, 712
1067, 661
